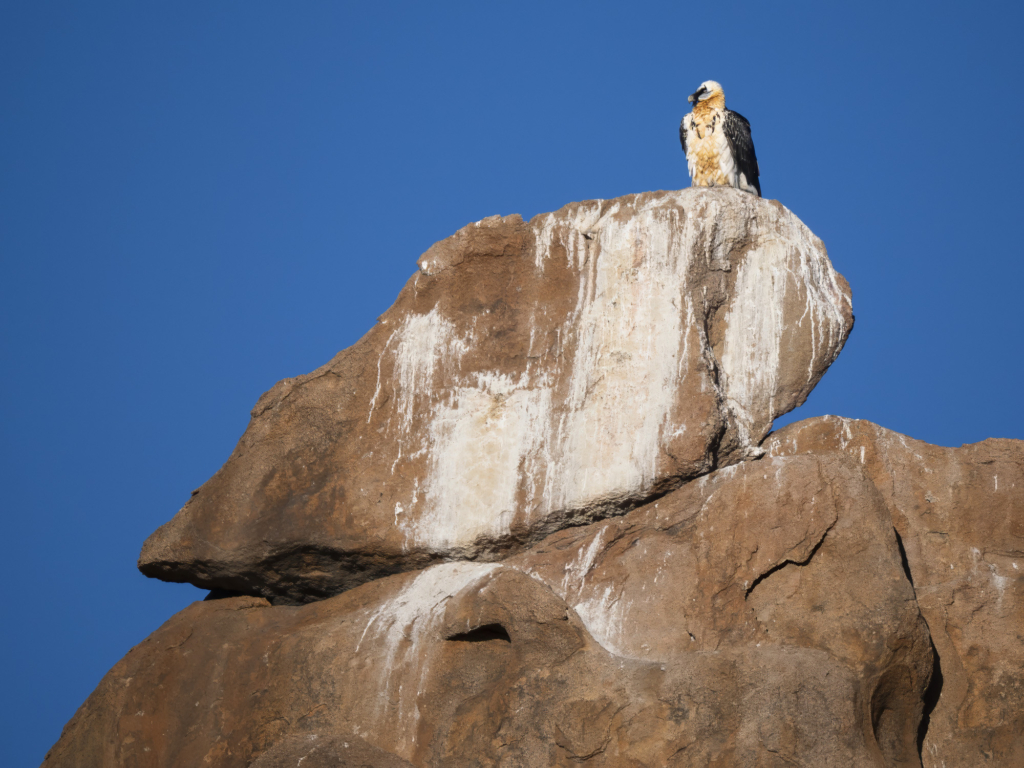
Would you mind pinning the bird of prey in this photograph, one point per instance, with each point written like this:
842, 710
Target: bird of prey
717, 143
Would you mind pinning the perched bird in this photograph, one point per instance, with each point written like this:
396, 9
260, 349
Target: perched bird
717, 143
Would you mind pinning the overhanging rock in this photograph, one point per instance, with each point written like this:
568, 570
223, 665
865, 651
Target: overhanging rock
531, 376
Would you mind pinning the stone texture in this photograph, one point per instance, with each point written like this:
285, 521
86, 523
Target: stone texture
310, 750
533, 518
760, 616
779, 552
960, 515
531, 376
796, 551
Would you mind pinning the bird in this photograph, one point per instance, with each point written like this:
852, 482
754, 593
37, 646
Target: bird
717, 143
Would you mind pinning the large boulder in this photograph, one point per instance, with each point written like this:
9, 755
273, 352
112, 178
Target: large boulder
960, 517
531, 376
760, 616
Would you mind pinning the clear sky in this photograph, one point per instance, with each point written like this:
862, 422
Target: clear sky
198, 199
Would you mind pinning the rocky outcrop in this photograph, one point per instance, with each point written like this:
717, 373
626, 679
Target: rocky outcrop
760, 616
531, 376
535, 518
960, 517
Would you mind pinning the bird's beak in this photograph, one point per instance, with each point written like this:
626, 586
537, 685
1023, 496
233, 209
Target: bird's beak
692, 98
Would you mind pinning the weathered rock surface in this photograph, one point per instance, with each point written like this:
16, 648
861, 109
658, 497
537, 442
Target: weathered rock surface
310, 750
777, 552
960, 515
531, 376
759, 616
562, 424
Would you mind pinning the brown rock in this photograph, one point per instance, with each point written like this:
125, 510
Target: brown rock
960, 515
759, 616
779, 552
310, 750
530, 377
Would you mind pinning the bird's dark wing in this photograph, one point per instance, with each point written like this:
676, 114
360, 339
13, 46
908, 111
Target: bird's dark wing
737, 130
682, 134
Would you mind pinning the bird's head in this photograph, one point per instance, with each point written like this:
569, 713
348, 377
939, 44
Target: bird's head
709, 89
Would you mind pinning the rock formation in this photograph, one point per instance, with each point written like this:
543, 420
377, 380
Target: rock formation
535, 517
529, 377
959, 513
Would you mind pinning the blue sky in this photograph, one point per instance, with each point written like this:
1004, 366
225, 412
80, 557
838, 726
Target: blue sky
198, 199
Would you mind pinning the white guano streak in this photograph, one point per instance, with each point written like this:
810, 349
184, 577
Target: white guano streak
495, 435
496, 443
628, 328
476, 438
602, 609
750, 354
579, 222
407, 627
605, 617
755, 324
478, 444
424, 342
